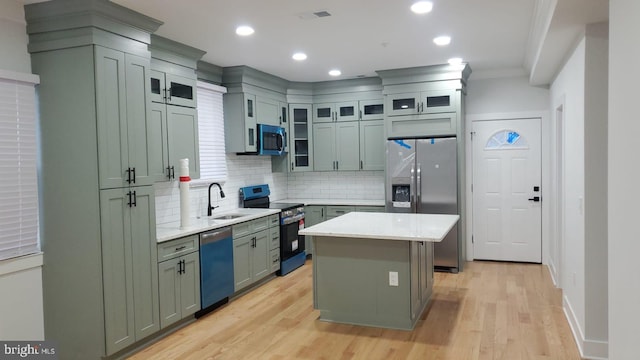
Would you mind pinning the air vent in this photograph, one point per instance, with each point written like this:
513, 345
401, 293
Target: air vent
321, 13
308, 15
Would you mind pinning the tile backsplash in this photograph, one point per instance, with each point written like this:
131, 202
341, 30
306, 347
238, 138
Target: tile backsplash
244, 170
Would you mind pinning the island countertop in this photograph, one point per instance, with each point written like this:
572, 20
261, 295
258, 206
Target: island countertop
386, 226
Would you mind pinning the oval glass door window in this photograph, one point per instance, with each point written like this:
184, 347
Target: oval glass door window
506, 139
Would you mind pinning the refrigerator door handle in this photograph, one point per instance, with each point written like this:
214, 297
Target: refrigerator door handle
412, 189
419, 190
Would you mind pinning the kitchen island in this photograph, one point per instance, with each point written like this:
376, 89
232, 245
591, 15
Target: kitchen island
375, 269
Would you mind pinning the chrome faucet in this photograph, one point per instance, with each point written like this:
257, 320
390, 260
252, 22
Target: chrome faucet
210, 208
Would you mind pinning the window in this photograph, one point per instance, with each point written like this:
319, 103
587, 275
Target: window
213, 161
18, 156
506, 139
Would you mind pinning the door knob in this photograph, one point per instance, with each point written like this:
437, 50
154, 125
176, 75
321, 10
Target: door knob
535, 199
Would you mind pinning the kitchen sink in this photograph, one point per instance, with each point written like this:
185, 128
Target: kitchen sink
228, 217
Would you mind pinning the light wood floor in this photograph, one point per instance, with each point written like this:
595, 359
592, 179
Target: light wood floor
490, 311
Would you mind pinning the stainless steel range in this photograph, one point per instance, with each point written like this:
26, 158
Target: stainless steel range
292, 251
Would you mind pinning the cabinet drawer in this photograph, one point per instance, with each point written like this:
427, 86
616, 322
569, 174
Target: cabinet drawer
261, 224
242, 229
274, 237
335, 211
174, 248
370, 208
274, 220
275, 260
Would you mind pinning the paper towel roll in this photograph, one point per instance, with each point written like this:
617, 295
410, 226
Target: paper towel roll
184, 194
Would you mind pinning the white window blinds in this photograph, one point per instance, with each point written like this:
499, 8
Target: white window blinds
213, 161
18, 156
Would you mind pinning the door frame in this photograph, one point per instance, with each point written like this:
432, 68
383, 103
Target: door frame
546, 185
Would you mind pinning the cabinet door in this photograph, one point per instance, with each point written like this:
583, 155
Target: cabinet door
348, 146
180, 90
250, 123
242, 258
139, 123
157, 87
312, 215
267, 111
371, 109
324, 147
438, 101
414, 278
323, 112
145, 261
261, 264
190, 284
346, 111
158, 150
403, 104
169, 290
372, 145
117, 269
301, 136
182, 131
113, 157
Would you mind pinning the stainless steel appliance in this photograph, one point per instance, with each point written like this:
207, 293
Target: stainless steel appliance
216, 268
421, 177
271, 140
292, 247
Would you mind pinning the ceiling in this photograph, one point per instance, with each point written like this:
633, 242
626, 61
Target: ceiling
361, 36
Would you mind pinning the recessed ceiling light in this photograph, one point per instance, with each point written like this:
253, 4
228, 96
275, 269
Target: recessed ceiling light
442, 40
335, 72
422, 7
299, 56
455, 61
244, 30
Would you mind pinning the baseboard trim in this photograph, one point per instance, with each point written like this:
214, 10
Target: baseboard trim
589, 349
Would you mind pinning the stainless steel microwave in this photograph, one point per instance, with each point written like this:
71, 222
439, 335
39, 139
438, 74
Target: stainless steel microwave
271, 140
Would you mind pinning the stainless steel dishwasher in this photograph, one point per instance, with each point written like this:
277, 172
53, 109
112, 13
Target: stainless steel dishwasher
216, 268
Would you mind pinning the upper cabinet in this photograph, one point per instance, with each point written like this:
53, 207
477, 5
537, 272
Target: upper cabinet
173, 123
371, 109
173, 89
300, 137
425, 102
240, 123
340, 111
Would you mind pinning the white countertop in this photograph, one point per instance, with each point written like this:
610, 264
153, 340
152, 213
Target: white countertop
347, 202
172, 230
386, 226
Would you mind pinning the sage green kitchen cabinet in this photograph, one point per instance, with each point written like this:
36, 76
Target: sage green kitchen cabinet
174, 130
268, 111
372, 145
371, 109
129, 259
421, 102
336, 146
251, 258
179, 279
123, 138
172, 89
331, 112
299, 136
333, 211
240, 123
313, 215
253, 247
362, 208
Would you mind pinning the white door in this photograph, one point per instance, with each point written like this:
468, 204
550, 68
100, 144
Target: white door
507, 196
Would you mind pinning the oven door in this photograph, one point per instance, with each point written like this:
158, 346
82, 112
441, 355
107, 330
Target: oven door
290, 242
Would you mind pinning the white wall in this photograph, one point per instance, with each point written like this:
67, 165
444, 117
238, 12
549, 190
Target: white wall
569, 87
624, 172
20, 279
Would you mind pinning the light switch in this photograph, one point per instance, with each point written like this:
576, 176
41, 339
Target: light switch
393, 278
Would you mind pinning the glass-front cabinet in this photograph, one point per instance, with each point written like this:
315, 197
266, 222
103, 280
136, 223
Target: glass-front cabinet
425, 102
330, 112
371, 109
300, 145
172, 89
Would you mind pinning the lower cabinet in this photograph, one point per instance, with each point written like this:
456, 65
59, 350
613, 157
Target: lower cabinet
179, 279
253, 251
421, 276
130, 275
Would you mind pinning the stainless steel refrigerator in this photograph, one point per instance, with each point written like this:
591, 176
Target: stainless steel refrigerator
421, 177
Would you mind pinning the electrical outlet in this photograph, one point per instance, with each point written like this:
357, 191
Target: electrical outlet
393, 278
